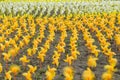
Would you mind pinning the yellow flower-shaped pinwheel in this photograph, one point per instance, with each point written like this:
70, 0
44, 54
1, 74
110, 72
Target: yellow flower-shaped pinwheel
68, 73
69, 59
88, 75
92, 61
6, 56
50, 73
2, 47
112, 61
8, 75
41, 56
110, 68
24, 60
107, 76
15, 69
32, 69
27, 75
6, 43
1, 68
29, 52
12, 52
74, 54
55, 58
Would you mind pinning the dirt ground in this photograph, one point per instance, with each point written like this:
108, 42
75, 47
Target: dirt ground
79, 65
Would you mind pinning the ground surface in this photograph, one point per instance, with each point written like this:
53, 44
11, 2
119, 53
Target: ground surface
79, 65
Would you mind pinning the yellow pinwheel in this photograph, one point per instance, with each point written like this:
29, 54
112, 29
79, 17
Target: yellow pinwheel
8, 75
69, 59
1, 68
68, 73
92, 61
32, 69
27, 75
88, 75
24, 60
50, 73
15, 69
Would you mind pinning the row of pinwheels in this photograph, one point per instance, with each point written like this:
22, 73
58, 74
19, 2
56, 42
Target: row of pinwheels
21, 39
57, 8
